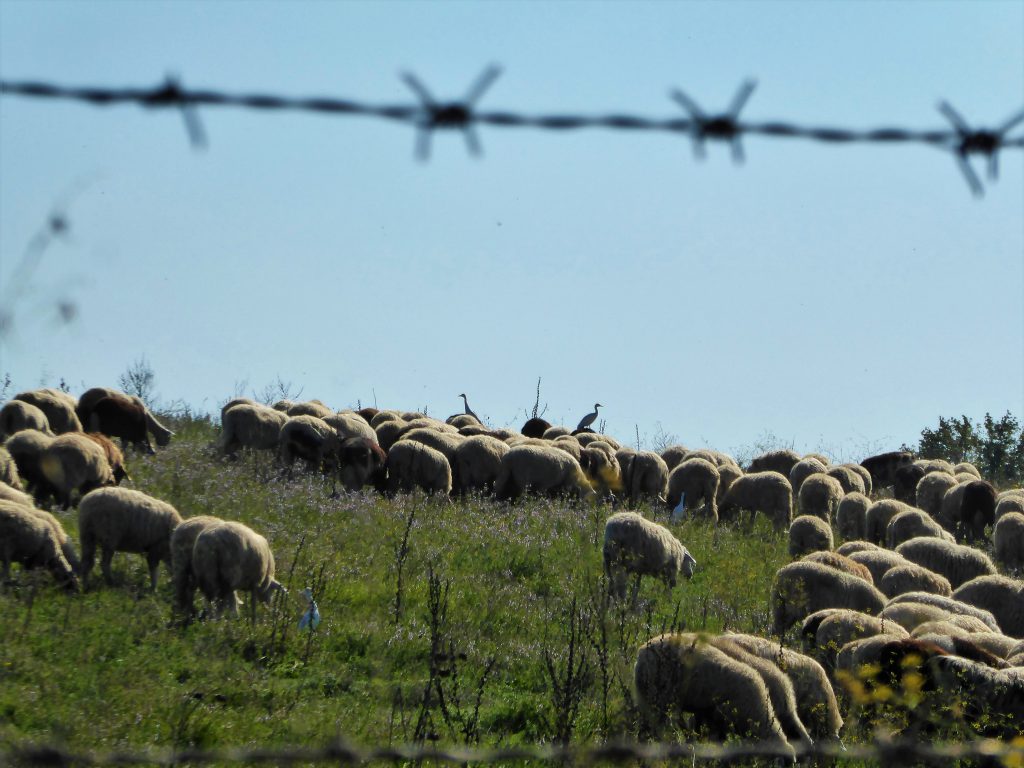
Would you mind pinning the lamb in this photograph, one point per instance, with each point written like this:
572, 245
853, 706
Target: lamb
26, 448
9, 469
802, 470
840, 563
17, 415
882, 467
633, 545
878, 561
29, 539
680, 673
73, 462
949, 605
930, 491
674, 455
58, 406
781, 461
123, 520
647, 477
991, 700
808, 533
815, 699
766, 492
414, 465
1003, 597
311, 439
695, 481
820, 495
909, 524
848, 478
251, 426
1008, 540
478, 463
544, 470
802, 588
913, 578
230, 557
90, 398
857, 545
362, 462
535, 427
878, 516
956, 562
851, 516
183, 538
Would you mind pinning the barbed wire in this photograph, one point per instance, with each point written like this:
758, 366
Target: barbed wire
430, 115
888, 752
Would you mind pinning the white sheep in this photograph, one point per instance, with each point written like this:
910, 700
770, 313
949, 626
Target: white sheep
956, 562
251, 426
910, 524
766, 492
803, 469
183, 539
820, 495
58, 406
16, 416
123, 520
695, 482
1008, 540
232, 557
851, 515
638, 546
808, 533
542, 470
29, 539
412, 465
949, 605
913, 578
801, 588
1003, 597
74, 463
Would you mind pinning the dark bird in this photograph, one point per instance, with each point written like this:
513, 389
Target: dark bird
589, 419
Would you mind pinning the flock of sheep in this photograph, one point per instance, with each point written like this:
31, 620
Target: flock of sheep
910, 590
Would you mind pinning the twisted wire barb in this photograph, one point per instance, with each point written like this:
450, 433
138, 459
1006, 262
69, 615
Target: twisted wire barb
430, 115
886, 751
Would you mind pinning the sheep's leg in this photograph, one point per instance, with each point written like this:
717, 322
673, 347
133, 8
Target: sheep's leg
153, 560
636, 590
88, 559
105, 559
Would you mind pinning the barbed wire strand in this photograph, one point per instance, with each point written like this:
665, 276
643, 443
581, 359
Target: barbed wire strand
430, 115
888, 752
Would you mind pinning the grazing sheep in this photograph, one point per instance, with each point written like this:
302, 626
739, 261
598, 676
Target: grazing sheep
381, 416
362, 462
58, 406
911, 615
727, 475
114, 456
602, 470
1009, 501
227, 406
936, 465
283, 405
681, 673
815, 699
9, 493
412, 465
313, 408
388, 432
808, 533
976, 512
460, 420
878, 517
674, 455
909, 524
633, 545
913, 578
231, 557
351, 425
182, 578
29, 539
864, 475
802, 470
878, 561
587, 437
846, 626
956, 562
16, 416
90, 398
802, 588
1003, 597
1008, 540
965, 467
766, 492
820, 496
543, 470
535, 427
715, 457
991, 701
556, 431
566, 443
882, 467
695, 481
647, 477
73, 462
930, 491
857, 545
9, 469
907, 478
851, 515
67, 548
850, 480
367, 413
122, 520
781, 461
478, 463
311, 439
840, 563
251, 426
444, 442
950, 605
26, 448
993, 643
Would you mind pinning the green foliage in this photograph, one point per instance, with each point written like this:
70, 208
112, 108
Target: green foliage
995, 447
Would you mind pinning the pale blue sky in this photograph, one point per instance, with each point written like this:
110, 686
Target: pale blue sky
835, 296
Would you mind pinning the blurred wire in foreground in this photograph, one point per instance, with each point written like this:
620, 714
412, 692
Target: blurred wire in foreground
430, 115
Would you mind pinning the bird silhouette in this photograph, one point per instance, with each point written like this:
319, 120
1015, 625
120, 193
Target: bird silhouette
469, 411
590, 418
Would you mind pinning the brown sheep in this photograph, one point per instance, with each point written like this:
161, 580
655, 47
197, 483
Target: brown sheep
87, 402
362, 462
781, 461
535, 427
119, 416
882, 467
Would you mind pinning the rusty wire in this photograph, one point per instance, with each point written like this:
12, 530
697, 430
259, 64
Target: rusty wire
429, 115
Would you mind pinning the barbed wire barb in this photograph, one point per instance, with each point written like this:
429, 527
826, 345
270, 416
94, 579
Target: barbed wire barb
982, 142
456, 114
725, 126
172, 94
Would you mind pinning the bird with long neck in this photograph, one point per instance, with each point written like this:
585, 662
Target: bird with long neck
589, 419
469, 411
